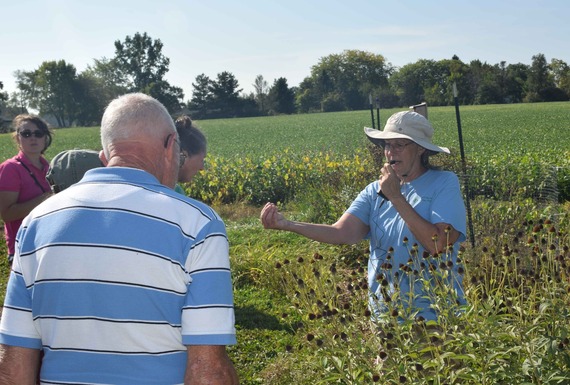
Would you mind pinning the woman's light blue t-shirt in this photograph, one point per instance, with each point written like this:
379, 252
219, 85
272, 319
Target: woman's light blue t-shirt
436, 197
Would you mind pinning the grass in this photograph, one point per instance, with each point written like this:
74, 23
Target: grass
516, 328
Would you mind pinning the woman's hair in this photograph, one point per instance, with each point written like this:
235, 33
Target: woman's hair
35, 120
192, 140
425, 160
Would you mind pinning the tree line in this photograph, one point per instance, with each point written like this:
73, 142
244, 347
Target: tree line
338, 82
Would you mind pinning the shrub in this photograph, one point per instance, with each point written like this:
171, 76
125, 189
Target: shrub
305, 177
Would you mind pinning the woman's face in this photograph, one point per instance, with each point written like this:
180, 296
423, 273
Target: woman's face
28, 139
405, 158
192, 165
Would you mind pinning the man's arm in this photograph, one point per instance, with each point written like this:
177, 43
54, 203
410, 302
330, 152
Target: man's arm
19, 365
208, 364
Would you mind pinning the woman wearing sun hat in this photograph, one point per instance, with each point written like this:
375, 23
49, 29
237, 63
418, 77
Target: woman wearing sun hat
23, 183
411, 212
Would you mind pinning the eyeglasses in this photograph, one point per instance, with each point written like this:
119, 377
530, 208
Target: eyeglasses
182, 157
395, 147
28, 133
182, 154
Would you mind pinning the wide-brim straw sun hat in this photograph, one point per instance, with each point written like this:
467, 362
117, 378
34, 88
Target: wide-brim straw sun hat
406, 125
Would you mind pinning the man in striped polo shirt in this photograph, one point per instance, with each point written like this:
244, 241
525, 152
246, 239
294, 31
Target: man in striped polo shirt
119, 279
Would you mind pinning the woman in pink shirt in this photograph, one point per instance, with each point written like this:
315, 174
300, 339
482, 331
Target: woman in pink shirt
23, 183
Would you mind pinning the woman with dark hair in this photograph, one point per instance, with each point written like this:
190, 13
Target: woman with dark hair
192, 147
23, 183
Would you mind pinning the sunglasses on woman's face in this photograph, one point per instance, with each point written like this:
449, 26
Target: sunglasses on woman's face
28, 133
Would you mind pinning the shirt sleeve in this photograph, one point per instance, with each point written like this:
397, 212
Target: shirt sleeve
448, 206
9, 177
17, 327
362, 205
208, 315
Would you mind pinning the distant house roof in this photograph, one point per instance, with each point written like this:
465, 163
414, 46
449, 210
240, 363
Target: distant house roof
50, 120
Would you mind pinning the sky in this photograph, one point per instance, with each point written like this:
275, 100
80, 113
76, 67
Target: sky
279, 38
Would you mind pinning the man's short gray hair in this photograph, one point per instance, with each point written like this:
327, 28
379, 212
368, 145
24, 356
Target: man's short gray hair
132, 116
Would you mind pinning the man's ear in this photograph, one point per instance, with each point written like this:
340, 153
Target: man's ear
103, 158
171, 154
170, 166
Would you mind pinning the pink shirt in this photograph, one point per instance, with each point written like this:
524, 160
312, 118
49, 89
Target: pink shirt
15, 177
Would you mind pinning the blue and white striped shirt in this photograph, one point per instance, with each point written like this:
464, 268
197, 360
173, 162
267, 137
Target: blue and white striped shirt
114, 276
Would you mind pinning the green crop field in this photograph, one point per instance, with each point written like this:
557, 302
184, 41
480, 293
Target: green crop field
301, 314
519, 128
257, 159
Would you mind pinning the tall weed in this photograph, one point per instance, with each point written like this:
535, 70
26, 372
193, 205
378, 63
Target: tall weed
513, 330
